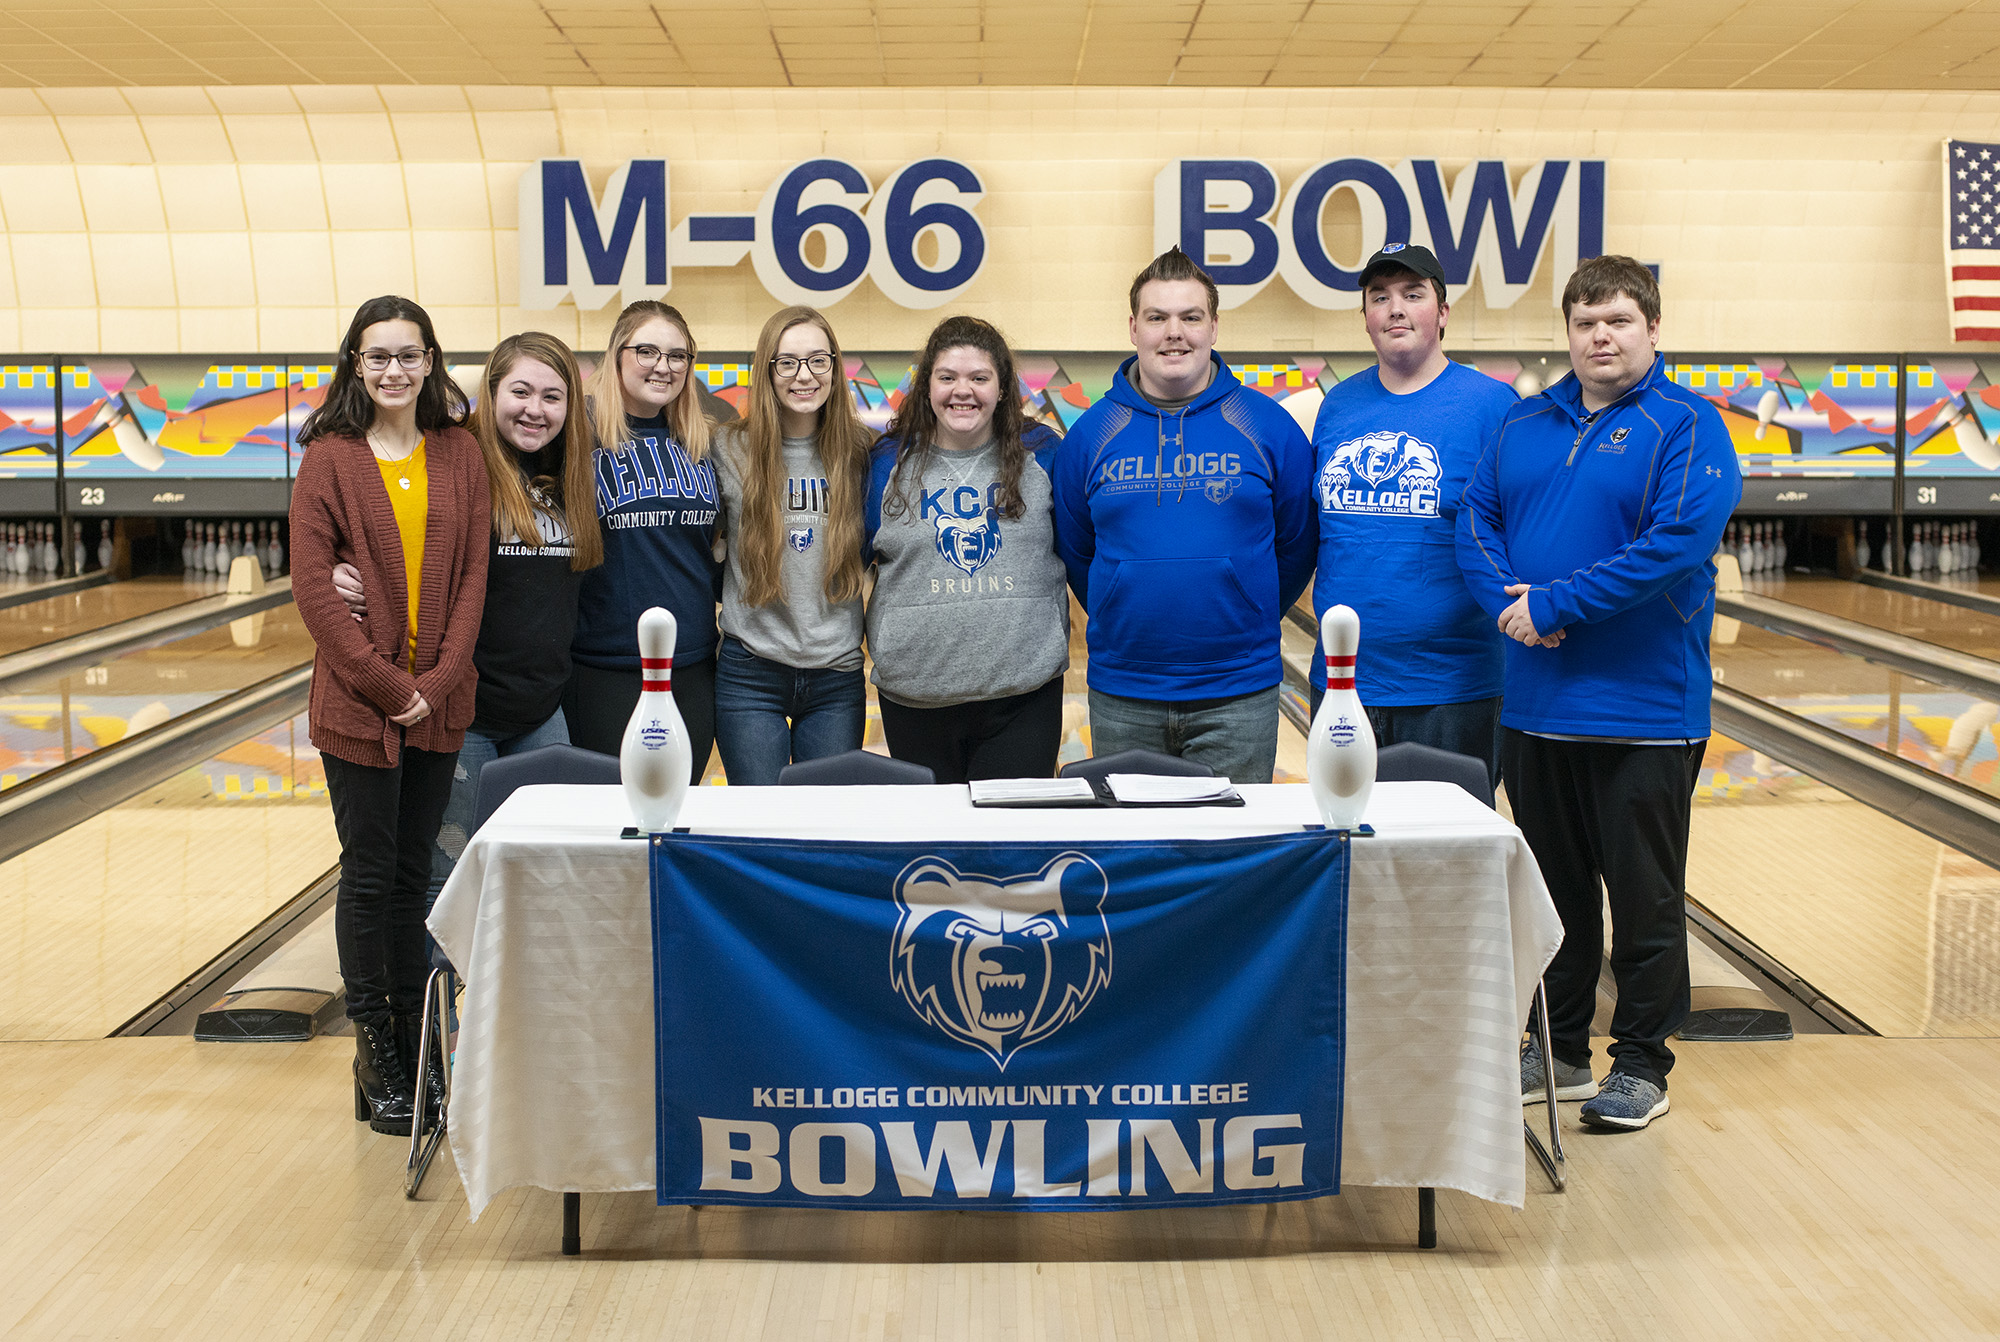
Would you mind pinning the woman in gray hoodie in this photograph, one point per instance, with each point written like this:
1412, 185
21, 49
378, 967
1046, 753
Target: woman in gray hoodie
788, 681
968, 624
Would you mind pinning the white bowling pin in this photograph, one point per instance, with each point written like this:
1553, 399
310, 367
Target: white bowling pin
274, 553
1863, 553
1947, 552
1783, 550
655, 759
1340, 756
106, 546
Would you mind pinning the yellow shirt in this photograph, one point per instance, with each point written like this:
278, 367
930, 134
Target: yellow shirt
409, 494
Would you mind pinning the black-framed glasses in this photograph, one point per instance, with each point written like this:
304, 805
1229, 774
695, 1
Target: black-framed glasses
649, 356
410, 360
788, 365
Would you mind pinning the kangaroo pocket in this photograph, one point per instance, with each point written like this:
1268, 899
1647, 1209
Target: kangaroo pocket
1178, 611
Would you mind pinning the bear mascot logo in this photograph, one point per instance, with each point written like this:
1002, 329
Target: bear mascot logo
1001, 963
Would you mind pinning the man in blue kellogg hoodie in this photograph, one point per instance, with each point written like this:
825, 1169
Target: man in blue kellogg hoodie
1184, 514
1586, 532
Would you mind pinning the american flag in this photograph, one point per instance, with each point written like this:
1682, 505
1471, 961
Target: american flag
1972, 238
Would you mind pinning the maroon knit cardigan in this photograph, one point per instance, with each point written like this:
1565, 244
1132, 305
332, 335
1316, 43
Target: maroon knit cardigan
341, 513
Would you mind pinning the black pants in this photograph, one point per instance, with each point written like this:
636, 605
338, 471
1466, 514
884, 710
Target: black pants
1619, 813
598, 704
387, 820
1015, 737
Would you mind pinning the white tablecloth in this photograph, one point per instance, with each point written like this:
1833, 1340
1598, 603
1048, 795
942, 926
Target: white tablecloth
548, 919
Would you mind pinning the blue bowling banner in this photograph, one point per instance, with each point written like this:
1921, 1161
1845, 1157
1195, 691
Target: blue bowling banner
1023, 1026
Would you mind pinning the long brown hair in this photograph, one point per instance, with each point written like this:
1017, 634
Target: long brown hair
613, 418
572, 484
843, 442
915, 427
348, 410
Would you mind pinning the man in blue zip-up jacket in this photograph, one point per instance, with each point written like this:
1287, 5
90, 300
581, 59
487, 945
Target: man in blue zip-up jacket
1586, 531
1184, 514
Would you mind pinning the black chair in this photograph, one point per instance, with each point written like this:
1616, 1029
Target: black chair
1409, 762
1135, 762
497, 782
856, 768
549, 764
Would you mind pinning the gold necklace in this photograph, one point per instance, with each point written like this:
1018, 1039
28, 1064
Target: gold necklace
402, 475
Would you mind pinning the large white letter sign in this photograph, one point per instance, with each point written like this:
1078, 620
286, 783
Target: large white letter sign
821, 196
1218, 211
572, 245
1477, 225
627, 244
933, 197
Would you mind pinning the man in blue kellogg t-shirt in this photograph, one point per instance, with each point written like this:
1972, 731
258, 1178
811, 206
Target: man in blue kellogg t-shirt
1392, 448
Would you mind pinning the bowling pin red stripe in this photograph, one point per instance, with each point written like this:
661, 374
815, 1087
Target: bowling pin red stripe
648, 682
1339, 673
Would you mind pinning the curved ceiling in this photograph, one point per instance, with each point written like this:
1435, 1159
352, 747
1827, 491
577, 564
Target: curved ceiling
1918, 45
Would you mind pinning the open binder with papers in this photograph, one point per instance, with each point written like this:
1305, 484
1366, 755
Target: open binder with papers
1112, 790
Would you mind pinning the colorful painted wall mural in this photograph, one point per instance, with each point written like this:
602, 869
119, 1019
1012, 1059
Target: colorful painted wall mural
177, 416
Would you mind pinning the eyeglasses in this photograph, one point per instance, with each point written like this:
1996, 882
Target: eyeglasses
410, 360
649, 356
786, 365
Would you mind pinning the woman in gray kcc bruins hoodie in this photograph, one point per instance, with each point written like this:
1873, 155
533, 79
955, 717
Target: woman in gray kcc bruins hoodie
968, 625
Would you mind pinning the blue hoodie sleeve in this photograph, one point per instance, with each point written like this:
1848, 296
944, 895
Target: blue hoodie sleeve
1699, 484
1076, 535
1295, 517
881, 464
1482, 531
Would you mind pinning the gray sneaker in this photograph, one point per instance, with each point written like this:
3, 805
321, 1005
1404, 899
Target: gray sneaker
1625, 1103
1572, 1083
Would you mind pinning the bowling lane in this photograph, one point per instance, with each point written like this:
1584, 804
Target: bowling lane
36, 622
1945, 730
1911, 616
100, 921
51, 721
1900, 930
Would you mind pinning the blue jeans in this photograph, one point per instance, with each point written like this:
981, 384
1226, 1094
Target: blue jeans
1471, 728
479, 751
1236, 737
768, 715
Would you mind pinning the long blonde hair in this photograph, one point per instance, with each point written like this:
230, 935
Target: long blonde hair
613, 419
574, 485
843, 442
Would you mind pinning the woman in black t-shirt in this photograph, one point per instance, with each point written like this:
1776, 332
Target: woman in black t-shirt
536, 441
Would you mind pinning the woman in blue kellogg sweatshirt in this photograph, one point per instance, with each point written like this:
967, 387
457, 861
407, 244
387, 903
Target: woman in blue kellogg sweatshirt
1184, 513
656, 503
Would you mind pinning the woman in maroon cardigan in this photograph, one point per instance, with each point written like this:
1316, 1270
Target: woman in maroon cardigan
392, 485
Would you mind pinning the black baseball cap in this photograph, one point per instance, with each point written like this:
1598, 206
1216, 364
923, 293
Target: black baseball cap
1402, 256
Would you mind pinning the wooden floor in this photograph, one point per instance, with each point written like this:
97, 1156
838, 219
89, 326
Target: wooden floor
1911, 616
43, 621
1897, 928
100, 921
1829, 1187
